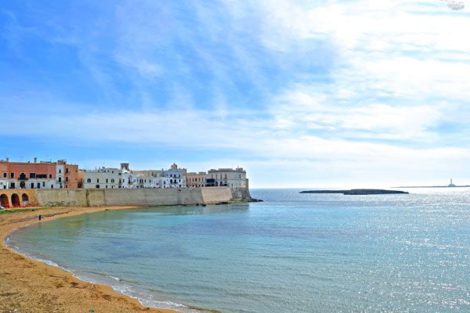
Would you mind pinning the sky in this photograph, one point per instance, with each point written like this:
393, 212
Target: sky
299, 93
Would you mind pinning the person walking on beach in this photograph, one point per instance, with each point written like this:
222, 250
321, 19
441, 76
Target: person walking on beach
39, 217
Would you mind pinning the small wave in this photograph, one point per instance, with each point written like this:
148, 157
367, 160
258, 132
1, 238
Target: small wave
49, 262
37, 258
145, 297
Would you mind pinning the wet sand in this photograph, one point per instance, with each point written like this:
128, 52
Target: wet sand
27, 285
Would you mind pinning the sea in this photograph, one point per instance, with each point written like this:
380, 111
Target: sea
291, 253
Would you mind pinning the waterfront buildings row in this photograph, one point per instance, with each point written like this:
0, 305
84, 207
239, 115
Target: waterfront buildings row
38, 175
60, 174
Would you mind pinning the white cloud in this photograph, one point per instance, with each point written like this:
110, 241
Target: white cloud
259, 145
302, 109
386, 48
400, 70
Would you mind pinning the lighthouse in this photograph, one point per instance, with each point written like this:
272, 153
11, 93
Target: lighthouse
451, 184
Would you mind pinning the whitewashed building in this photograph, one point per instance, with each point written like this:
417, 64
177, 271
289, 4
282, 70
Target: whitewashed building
143, 179
233, 178
60, 174
128, 179
176, 176
102, 178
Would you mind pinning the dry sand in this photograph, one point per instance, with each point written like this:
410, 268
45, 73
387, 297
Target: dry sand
28, 285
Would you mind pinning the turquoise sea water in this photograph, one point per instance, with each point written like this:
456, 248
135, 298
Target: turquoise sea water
292, 253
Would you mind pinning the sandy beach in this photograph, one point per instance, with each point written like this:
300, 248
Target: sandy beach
27, 285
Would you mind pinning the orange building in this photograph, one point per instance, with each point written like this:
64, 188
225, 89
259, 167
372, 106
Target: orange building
72, 177
38, 175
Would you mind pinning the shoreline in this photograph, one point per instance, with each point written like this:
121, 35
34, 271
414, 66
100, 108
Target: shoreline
29, 285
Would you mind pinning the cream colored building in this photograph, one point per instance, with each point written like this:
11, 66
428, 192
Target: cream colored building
233, 178
196, 180
102, 178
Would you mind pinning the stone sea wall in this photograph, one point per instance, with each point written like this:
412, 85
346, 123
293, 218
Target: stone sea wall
145, 197
241, 194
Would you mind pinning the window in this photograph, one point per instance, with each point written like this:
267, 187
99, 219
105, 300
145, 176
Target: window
60, 179
60, 171
66, 171
88, 180
4, 175
44, 184
32, 185
12, 175
97, 180
106, 180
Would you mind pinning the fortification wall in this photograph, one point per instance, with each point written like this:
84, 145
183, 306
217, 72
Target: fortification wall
61, 197
212, 195
152, 196
145, 197
241, 194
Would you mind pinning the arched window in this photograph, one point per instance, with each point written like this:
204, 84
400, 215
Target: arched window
88, 180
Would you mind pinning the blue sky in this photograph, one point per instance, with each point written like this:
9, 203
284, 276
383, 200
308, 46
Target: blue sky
300, 93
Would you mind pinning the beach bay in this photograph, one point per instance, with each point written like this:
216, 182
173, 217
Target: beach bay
294, 252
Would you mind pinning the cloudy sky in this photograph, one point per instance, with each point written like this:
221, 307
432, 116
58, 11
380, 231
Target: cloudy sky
300, 93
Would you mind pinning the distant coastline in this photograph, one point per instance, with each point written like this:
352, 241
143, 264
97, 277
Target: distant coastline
357, 192
462, 186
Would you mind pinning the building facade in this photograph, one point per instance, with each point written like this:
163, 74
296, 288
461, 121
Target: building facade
196, 180
176, 176
233, 178
38, 175
102, 178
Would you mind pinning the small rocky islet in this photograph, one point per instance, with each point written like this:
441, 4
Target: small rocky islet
358, 192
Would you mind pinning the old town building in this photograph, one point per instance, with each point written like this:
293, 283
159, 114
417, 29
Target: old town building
102, 178
177, 176
196, 180
38, 175
233, 178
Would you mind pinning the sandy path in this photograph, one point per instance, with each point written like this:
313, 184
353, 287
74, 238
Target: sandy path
27, 285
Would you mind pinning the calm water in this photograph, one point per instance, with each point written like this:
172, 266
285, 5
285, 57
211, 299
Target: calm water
293, 253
